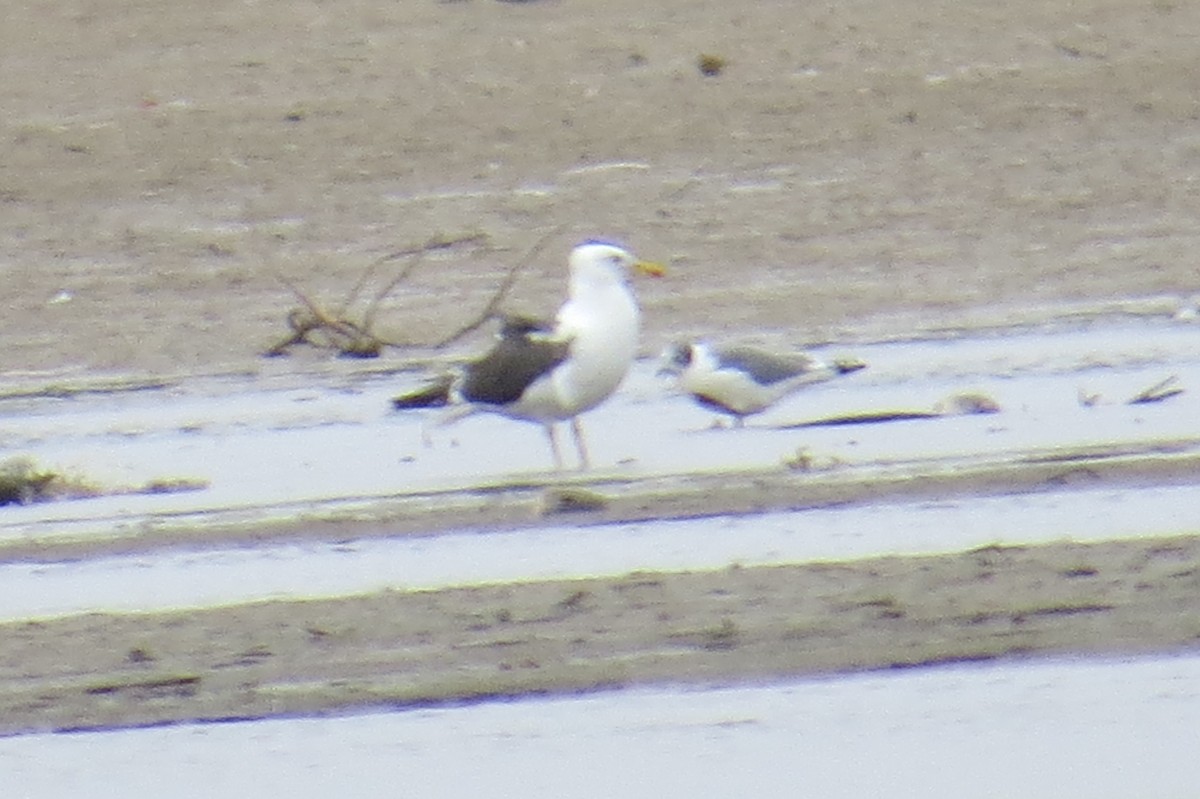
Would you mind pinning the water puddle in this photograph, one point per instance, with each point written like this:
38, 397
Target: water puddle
287, 444
258, 446
182, 579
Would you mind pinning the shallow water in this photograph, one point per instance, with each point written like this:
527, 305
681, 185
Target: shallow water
1113, 728
284, 444
169, 580
260, 444
1100, 728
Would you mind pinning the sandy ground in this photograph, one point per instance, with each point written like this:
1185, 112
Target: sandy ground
401, 649
852, 162
857, 166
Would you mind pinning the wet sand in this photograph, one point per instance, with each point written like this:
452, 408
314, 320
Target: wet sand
854, 171
396, 649
853, 166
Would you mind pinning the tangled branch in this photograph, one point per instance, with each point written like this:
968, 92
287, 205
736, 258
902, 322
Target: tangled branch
313, 324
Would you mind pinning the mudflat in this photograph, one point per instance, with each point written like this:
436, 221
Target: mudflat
466, 644
850, 170
852, 164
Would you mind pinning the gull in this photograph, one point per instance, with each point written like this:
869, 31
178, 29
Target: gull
550, 372
741, 380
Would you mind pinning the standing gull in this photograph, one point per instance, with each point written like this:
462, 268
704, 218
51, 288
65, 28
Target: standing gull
740, 380
553, 372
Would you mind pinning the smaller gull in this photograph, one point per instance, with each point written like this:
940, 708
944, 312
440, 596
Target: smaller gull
741, 380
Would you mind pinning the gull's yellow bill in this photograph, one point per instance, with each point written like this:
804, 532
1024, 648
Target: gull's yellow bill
651, 268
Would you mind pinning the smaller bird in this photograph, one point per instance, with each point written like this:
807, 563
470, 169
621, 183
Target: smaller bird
741, 380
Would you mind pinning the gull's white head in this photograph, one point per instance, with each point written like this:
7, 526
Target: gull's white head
597, 262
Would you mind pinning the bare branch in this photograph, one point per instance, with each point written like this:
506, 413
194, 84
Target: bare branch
435, 242
313, 324
1163, 389
369, 315
344, 336
510, 278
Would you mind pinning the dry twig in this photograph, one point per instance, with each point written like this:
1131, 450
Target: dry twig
493, 304
313, 324
1163, 389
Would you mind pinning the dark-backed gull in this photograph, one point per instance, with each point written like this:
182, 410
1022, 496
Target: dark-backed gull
552, 372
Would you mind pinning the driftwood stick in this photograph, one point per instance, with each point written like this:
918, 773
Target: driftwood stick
319, 313
345, 336
1163, 389
401, 276
435, 242
510, 279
